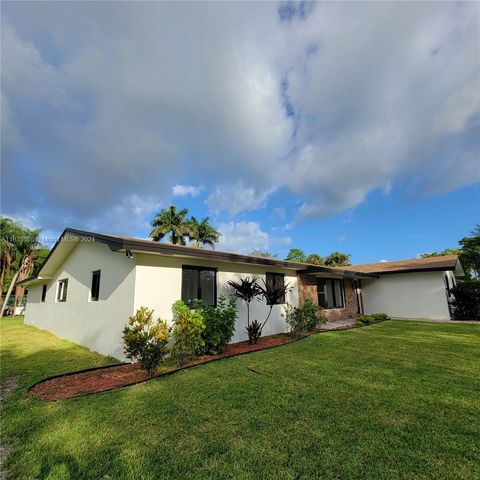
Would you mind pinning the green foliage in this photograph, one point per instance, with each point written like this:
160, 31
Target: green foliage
176, 222
170, 220
187, 332
145, 340
470, 254
20, 251
263, 254
335, 259
254, 331
338, 259
315, 259
206, 421
304, 318
371, 318
466, 301
447, 251
295, 255
219, 323
202, 233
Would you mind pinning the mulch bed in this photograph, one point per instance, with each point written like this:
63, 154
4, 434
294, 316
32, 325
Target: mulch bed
108, 378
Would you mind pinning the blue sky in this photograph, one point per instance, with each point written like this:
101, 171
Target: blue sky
323, 126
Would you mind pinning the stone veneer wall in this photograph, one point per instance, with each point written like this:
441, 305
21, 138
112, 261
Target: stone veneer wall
307, 288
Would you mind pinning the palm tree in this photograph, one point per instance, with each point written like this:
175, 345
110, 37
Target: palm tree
314, 259
26, 247
170, 220
8, 231
202, 233
338, 259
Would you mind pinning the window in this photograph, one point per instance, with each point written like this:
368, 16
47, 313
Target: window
62, 290
95, 288
330, 293
276, 279
199, 283
44, 292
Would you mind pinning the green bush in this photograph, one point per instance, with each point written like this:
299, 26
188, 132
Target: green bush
219, 323
187, 332
300, 319
371, 318
145, 340
466, 301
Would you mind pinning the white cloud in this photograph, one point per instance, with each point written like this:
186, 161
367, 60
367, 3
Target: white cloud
342, 238
186, 190
342, 99
236, 197
279, 213
244, 237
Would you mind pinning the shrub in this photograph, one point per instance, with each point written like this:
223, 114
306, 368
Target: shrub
294, 319
254, 331
466, 301
187, 332
313, 314
371, 318
219, 323
145, 340
307, 317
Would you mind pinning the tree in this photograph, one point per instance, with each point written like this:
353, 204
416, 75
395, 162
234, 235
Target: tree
170, 220
39, 256
295, 255
338, 259
25, 246
263, 254
447, 251
470, 253
315, 259
9, 232
202, 233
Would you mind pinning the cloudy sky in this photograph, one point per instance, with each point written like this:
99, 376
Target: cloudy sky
325, 126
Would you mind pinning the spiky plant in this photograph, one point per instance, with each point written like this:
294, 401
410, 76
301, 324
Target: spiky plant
247, 289
273, 293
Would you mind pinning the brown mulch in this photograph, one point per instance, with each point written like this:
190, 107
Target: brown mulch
103, 379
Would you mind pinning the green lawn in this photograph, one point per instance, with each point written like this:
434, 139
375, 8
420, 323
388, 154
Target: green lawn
392, 400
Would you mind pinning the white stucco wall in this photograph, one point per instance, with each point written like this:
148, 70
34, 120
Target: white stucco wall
96, 325
407, 295
159, 284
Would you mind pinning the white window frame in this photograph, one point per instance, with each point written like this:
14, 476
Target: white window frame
90, 298
62, 290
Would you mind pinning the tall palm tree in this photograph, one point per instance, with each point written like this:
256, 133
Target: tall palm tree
202, 233
314, 259
338, 259
170, 220
26, 247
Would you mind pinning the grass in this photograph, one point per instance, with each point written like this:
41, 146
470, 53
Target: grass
392, 400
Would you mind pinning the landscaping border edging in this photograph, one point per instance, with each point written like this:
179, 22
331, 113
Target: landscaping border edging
184, 367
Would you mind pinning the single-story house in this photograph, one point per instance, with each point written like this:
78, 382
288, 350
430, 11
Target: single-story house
91, 283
